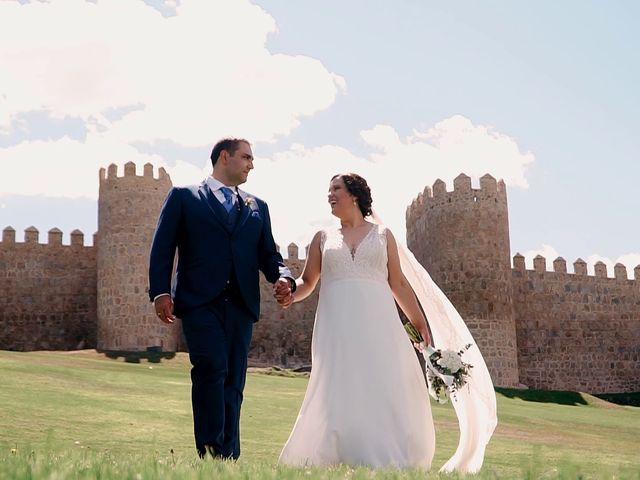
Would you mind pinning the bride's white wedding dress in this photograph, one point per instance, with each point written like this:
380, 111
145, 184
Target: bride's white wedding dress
366, 401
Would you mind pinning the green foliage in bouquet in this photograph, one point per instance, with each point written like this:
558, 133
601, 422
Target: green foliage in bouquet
446, 372
413, 333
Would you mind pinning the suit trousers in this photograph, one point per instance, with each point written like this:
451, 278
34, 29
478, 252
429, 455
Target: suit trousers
218, 336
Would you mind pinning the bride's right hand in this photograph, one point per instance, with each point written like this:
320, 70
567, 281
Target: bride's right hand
426, 337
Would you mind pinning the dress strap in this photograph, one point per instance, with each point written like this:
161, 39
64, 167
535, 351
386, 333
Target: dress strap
382, 232
323, 238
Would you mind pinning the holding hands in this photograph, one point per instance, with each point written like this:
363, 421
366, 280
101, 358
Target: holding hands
282, 292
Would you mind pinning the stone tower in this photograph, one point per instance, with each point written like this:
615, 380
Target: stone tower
462, 239
128, 208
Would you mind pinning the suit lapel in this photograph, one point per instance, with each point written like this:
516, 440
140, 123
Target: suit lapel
245, 209
219, 213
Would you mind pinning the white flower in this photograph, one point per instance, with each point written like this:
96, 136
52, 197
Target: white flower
450, 361
249, 201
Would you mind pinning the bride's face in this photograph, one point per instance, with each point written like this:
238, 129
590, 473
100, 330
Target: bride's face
341, 201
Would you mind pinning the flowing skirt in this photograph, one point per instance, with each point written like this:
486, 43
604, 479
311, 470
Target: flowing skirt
366, 402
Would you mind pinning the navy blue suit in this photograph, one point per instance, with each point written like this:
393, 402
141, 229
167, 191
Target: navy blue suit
216, 294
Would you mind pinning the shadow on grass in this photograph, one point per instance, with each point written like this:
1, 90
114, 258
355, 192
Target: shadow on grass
281, 372
628, 399
151, 354
544, 396
569, 398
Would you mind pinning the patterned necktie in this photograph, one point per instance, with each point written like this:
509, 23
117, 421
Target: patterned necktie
228, 198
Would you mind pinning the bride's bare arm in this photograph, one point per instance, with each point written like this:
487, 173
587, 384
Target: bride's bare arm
311, 273
402, 291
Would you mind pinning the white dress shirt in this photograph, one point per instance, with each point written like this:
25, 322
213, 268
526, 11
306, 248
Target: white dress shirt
216, 185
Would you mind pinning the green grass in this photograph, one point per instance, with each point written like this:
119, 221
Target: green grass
81, 415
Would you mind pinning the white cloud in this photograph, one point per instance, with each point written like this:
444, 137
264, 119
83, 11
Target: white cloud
295, 182
64, 168
69, 168
194, 77
183, 173
403, 167
452, 146
199, 75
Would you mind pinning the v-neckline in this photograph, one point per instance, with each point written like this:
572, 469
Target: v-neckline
353, 250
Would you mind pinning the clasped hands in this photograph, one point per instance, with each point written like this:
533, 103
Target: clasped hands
282, 292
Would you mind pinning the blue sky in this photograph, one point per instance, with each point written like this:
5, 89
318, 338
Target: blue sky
543, 94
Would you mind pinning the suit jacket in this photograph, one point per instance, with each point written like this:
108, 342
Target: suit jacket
210, 252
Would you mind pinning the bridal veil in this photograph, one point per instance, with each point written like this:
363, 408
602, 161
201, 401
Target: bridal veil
475, 403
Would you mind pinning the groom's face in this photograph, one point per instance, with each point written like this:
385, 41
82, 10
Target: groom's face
238, 165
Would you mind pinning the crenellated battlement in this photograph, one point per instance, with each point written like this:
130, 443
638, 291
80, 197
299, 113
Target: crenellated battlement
54, 238
438, 195
571, 323
579, 268
110, 174
48, 291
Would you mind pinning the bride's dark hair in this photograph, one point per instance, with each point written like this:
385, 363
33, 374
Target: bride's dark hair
357, 186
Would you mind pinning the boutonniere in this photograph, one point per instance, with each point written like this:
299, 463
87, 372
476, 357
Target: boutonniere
250, 202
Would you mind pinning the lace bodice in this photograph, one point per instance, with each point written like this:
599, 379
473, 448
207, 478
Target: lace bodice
368, 262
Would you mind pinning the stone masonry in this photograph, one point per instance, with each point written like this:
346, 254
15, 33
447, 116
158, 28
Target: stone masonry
47, 292
543, 329
128, 209
546, 330
577, 332
462, 239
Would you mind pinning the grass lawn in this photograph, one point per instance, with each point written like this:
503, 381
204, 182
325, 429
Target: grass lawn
81, 415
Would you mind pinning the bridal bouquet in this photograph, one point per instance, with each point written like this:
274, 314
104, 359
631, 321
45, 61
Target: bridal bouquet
446, 372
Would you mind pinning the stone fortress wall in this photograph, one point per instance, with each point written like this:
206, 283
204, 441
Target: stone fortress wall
283, 337
543, 329
576, 331
550, 330
47, 292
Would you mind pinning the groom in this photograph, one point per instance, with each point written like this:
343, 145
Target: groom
223, 237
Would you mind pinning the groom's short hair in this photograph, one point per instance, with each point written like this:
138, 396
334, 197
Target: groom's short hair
228, 144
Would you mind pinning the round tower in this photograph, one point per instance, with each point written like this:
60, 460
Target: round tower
462, 239
128, 208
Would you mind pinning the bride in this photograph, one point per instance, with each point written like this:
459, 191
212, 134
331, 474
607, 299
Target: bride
367, 401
